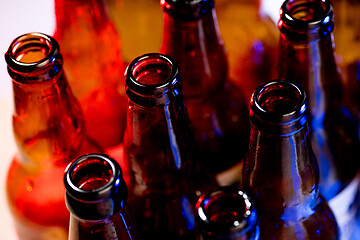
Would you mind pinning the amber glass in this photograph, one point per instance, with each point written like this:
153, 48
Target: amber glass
96, 196
49, 132
250, 37
139, 23
347, 48
217, 108
281, 170
306, 56
226, 213
93, 63
160, 161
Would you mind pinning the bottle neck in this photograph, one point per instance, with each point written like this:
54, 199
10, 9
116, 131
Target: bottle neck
47, 121
281, 169
157, 122
197, 47
306, 53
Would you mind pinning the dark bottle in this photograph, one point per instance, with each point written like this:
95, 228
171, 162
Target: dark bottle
306, 56
49, 131
96, 196
160, 157
226, 213
281, 170
217, 108
91, 49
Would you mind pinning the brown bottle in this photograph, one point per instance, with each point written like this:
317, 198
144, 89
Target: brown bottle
90, 46
306, 57
49, 132
281, 170
216, 107
96, 196
226, 213
160, 161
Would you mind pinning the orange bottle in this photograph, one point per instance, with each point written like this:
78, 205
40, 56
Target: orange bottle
93, 63
49, 132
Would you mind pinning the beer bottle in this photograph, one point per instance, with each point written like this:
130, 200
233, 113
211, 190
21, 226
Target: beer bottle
281, 170
226, 213
96, 196
217, 108
306, 56
93, 63
49, 132
160, 160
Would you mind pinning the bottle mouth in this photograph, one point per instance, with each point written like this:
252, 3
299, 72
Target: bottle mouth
91, 177
32, 51
279, 106
152, 79
95, 188
306, 16
226, 211
187, 10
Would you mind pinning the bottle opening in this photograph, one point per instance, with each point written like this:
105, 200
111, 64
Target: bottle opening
32, 51
279, 98
306, 10
152, 80
92, 174
226, 211
152, 71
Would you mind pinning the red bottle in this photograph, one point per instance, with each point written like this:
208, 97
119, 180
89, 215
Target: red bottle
306, 56
281, 170
49, 131
160, 161
226, 213
216, 107
90, 46
96, 196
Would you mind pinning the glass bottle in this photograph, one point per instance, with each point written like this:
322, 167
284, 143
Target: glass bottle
160, 160
96, 196
250, 37
93, 63
226, 213
217, 108
49, 131
306, 56
281, 170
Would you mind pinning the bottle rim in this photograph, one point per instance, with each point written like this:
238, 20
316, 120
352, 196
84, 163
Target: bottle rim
290, 23
103, 191
159, 92
288, 113
28, 40
245, 222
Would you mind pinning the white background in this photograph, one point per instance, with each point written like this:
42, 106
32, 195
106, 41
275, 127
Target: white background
16, 18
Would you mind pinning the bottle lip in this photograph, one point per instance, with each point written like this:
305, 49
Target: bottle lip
94, 194
158, 93
279, 120
245, 222
25, 41
298, 26
187, 10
